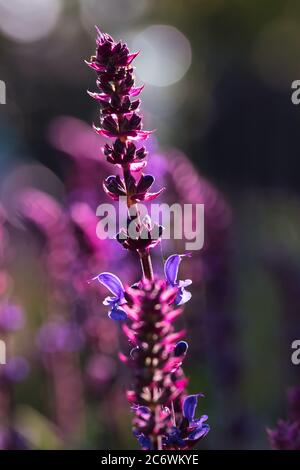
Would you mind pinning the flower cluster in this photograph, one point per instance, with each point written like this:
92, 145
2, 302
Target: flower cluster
118, 300
121, 121
164, 413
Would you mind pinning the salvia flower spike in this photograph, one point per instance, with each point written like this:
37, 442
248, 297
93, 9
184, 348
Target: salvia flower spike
164, 415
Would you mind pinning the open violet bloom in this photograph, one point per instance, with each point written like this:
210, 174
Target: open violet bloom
190, 430
115, 286
171, 273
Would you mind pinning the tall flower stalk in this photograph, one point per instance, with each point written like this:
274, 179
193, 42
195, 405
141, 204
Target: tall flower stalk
164, 413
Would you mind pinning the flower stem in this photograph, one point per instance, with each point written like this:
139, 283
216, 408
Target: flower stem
146, 263
144, 255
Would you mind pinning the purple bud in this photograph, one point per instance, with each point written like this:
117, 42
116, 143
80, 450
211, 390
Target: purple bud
181, 348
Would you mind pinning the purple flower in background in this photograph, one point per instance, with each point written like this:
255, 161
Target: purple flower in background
286, 435
57, 336
11, 317
171, 273
115, 286
16, 369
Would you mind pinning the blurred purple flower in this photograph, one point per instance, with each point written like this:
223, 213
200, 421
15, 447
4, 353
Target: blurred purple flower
286, 435
11, 317
101, 371
115, 286
59, 336
11, 439
171, 273
16, 369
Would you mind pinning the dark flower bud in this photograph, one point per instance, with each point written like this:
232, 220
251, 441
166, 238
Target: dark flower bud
119, 146
114, 187
181, 348
130, 150
135, 105
144, 183
141, 153
107, 150
135, 121
110, 124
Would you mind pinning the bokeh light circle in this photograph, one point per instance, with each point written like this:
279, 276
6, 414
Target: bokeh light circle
165, 56
110, 12
28, 21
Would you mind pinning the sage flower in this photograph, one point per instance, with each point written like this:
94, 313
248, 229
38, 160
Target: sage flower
171, 273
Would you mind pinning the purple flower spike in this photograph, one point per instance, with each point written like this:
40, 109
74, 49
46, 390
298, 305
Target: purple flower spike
171, 273
156, 351
115, 286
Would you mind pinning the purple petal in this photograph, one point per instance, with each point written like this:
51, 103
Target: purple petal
135, 135
136, 91
137, 166
150, 196
94, 66
189, 406
105, 133
199, 432
110, 301
171, 269
200, 421
131, 57
185, 283
97, 96
112, 283
182, 297
142, 410
117, 314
